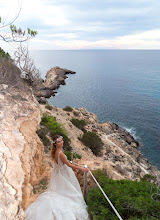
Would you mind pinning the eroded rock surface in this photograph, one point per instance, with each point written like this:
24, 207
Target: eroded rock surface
21, 152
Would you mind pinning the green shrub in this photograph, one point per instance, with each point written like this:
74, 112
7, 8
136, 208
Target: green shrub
42, 132
75, 155
100, 173
93, 141
78, 123
149, 178
49, 107
132, 199
68, 109
3, 54
55, 128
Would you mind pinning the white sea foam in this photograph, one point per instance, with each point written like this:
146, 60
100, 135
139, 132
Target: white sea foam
133, 132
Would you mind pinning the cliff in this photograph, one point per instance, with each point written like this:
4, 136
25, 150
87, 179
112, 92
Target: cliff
23, 161
21, 151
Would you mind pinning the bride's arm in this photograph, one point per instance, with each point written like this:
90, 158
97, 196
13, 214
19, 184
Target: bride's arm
64, 160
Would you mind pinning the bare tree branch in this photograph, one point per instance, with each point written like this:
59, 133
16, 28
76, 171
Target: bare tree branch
4, 24
26, 64
15, 34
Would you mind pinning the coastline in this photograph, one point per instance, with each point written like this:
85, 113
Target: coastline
51, 83
112, 134
22, 150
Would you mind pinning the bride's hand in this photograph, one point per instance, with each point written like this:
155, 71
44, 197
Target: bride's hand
85, 169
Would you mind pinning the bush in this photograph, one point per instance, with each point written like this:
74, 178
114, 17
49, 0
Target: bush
75, 155
149, 178
68, 109
99, 173
10, 74
132, 199
49, 107
55, 128
3, 54
93, 141
78, 123
46, 142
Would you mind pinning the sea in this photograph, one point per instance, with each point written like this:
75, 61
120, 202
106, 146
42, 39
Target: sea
121, 86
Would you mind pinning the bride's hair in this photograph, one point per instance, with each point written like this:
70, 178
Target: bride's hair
53, 148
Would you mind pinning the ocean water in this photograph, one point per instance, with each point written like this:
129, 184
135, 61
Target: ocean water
122, 86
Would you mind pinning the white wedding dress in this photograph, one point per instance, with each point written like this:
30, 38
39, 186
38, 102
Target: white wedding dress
63, 199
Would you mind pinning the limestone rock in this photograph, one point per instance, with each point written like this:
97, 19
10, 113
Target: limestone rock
21, 152
54, 78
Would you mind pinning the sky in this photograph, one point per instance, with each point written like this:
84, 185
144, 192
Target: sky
87, 24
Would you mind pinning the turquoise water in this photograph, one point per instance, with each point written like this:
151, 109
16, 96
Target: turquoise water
122, 86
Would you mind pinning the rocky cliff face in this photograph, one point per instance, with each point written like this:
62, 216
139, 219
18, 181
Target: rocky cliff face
21, 151
22, 159
120, 156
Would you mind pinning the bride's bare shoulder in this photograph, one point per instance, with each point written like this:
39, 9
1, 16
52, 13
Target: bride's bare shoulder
56, 155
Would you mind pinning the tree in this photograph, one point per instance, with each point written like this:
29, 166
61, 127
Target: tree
25, 63
10, 33
22, 63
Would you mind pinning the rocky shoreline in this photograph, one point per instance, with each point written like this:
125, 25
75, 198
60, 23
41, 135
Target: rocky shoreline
23, 160
120, 155
54, 78
121, 149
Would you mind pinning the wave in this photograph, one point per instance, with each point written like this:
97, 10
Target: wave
133, 132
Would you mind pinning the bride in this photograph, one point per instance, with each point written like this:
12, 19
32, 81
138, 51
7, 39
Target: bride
63, 199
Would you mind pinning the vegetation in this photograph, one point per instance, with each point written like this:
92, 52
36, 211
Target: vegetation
133, 200
68, 109
149, 178
79, 123
42, 132
41, 186
10, 33
22, 62
93, 141
55, 128
49, 107
10, 74
75, 155
4, 55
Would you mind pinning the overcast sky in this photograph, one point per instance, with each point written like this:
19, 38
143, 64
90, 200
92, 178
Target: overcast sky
88, 24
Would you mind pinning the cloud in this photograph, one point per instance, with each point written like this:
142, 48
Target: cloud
79, 24
144, 40
63, 35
